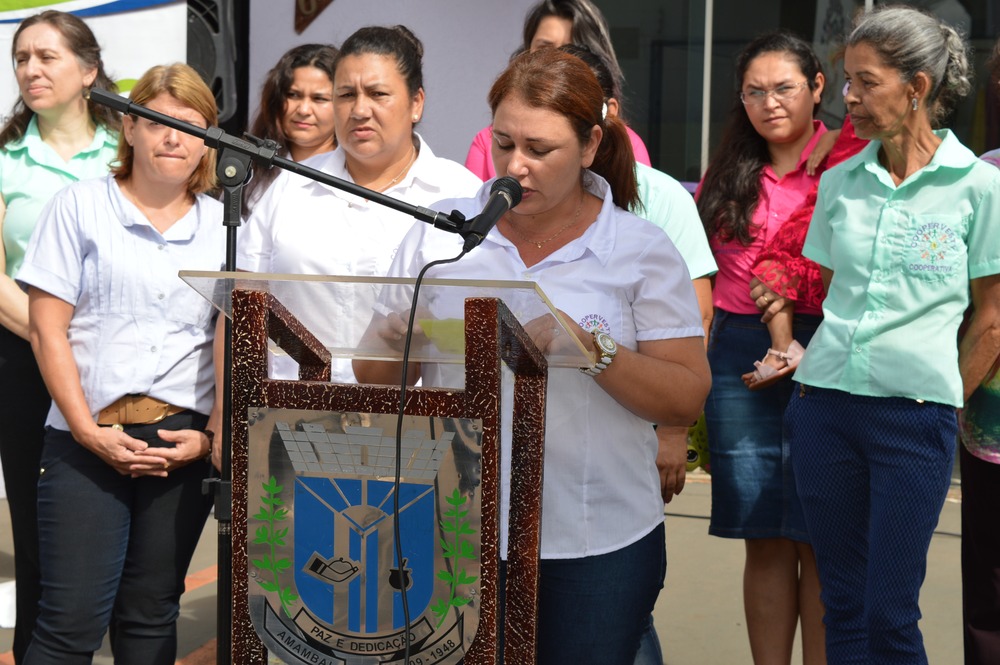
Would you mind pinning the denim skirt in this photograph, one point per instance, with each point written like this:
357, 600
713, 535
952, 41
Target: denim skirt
753, 489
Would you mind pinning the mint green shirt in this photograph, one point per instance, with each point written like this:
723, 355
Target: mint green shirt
667, 204
902, 258
31, 173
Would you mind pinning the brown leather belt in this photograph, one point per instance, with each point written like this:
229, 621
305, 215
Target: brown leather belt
136, 410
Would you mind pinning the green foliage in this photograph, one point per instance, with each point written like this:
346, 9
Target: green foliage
272, 513
455, 549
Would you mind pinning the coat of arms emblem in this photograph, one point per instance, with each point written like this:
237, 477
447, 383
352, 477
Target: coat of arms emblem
327, 581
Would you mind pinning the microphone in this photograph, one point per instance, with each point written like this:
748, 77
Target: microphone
504, 195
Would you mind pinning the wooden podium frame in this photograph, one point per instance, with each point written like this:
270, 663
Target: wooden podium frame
493, 336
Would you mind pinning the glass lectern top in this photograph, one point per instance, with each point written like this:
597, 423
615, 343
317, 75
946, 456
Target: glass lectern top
339, 310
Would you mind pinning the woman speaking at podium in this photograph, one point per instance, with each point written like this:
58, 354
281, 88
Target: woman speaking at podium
626, 292
300, 226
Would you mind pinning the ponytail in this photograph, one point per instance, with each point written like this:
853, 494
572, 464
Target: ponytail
615, 162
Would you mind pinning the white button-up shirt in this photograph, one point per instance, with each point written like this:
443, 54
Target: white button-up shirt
624, 276
303, 227
137, 328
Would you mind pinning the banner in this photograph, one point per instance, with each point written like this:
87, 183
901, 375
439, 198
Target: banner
134, 35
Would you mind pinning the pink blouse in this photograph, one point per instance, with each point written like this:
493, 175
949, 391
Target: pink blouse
779, 199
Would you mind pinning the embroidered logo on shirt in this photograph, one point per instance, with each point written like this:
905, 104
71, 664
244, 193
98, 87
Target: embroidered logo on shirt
592, 322
933, 249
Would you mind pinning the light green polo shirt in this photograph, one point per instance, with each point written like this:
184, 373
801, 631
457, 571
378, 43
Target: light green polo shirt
902, 258
31, 173
667, 204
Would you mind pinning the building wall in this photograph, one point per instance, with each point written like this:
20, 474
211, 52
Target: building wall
123, 35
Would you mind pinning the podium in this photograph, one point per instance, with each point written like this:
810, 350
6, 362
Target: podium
315, 577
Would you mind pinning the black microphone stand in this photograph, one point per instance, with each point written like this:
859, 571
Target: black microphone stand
233, 170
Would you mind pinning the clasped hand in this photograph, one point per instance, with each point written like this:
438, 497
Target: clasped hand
133, 457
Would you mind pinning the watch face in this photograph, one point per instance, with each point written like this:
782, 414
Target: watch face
606, 344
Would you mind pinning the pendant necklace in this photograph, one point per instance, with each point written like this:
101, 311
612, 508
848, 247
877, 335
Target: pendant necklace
539, 243
413, 158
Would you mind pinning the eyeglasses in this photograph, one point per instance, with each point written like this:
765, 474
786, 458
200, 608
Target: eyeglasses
783, 93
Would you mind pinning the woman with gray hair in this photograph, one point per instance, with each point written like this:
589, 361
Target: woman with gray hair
903, 232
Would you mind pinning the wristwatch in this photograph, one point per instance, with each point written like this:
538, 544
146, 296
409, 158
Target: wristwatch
606, 351
211, 444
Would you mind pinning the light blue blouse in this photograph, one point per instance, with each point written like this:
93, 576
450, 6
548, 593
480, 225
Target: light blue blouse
31, 173
902, 258
667, 204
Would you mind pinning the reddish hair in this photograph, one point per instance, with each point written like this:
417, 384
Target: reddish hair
562, 83
184, 84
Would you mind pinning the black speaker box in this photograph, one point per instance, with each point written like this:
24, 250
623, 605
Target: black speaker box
212, 50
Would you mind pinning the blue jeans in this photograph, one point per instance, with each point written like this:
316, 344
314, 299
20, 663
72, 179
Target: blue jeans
596, 609
872, 475
114, 551
650, 652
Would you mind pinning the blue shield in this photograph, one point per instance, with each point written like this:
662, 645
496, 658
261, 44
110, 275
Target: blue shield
346, 570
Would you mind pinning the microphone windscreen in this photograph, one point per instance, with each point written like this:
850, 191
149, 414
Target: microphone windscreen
509, 186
